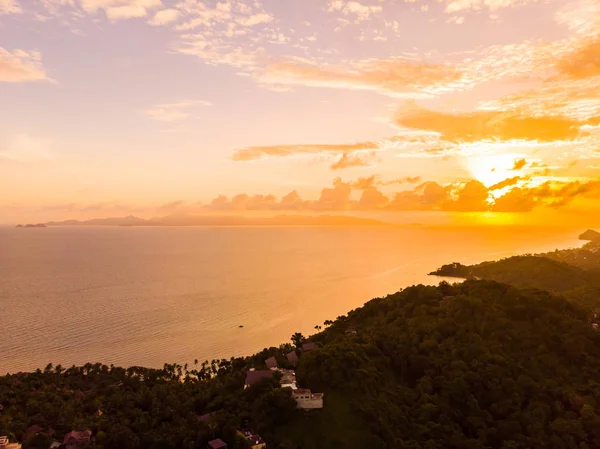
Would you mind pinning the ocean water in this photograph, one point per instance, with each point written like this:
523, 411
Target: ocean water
146, 296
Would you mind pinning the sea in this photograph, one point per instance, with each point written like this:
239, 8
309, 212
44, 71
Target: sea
145, 296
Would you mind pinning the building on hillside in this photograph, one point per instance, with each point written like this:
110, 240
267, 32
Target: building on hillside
253, 439
307, 399
292, 357
255, 376
307, 347
271, 363
5, 444
206, 417
217, 444
288, 379
33, 430
76, 439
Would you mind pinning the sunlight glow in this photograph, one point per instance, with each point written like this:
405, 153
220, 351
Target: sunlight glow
493, 168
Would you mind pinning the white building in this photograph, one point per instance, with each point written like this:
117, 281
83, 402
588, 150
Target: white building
307, 399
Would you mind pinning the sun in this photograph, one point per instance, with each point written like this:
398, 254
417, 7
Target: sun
492, 169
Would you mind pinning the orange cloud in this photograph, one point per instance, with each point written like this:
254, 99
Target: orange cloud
491, 125
471, 196
251, 153
348, 161
506, 183
516, 200
583, 62
21, 66
393, 76
519, 164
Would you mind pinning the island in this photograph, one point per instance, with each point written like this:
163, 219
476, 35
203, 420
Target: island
38, 225
590, 235
225, 220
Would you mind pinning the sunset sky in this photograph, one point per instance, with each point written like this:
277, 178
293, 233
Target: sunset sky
150, 107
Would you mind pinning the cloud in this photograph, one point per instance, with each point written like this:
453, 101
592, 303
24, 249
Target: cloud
164, 16
362, 12
404, 180
519, 164
491, 125
352, 160
21, 66
476, 5
583, 62
516, 200
472, 196
172, 112
397, 76
10, 7
125, 12
217, 51
336, 198
25, 148
427, 196
255, 19
92, 6
506, 183
258, 152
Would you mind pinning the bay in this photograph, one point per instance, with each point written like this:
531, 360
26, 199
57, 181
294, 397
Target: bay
146, 296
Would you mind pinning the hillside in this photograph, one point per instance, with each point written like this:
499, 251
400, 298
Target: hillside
473, 365
574, 272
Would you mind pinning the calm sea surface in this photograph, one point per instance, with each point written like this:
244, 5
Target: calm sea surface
146, 296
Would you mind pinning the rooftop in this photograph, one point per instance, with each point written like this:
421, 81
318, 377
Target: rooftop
256, 376
271, 362
217, 444
308, 347
252, 437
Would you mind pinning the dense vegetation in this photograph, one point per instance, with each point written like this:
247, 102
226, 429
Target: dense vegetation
574, 273
480, 364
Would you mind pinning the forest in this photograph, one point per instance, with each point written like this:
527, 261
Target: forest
478, 364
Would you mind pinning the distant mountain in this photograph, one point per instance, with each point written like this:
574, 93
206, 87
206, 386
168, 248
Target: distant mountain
233, 220
280, 220
116, 221
39, 225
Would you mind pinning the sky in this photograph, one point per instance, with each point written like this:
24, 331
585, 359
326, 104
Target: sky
152, 107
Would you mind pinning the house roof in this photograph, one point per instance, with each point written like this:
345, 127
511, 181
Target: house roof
271, 362
308, 347
206, 416
36, 428
292, 357
217, 444
78, 436
256, 376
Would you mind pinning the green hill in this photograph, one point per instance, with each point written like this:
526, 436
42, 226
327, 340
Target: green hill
472, 365
544, 272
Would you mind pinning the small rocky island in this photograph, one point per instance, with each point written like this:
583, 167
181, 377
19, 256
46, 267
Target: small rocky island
30, 225
590, 235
